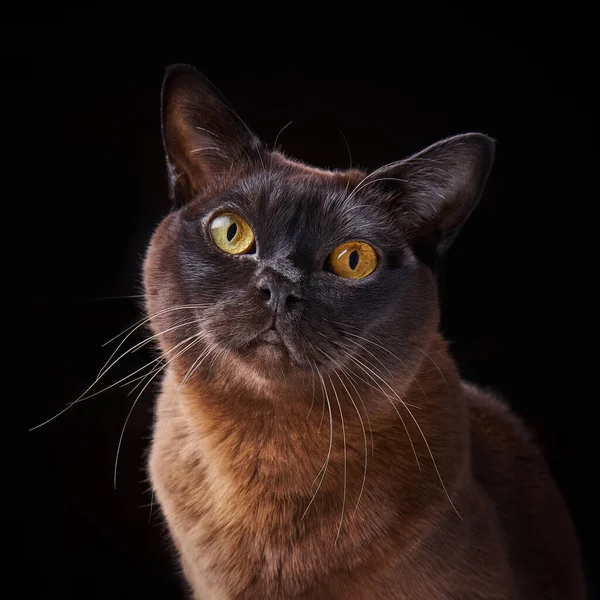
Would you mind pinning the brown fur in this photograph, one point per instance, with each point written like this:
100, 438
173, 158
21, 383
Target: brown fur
233, 468
457, 502
233, 489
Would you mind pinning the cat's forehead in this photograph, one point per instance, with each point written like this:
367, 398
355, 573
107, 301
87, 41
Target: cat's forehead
289, 203
298, 183
300, 191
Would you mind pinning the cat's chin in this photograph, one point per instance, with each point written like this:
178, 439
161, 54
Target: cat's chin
268, 347
269, 356
266, 351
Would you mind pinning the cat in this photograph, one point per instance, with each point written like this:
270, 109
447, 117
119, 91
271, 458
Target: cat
312, 436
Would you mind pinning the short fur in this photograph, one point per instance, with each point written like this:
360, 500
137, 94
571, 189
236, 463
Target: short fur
259, 450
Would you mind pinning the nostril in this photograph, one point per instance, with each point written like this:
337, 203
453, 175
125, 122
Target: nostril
292, 300
266, 292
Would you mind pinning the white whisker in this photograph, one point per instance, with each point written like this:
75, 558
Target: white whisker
206, 149
227, 107
148, 318
280, 132
345, 463
351, 379
198, 339
390, 353
141, 323
426, 443
365, 183
330, 444
313, 388
82, 398
365, 437
195, 365
366, 370
434, 363
106, 368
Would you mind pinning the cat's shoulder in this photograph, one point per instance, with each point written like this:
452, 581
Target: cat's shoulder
509, 466
495, 425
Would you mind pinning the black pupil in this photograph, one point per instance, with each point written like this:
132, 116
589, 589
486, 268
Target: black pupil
231, 231
353, 260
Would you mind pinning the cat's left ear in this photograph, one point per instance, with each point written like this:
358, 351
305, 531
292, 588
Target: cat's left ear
204, 139
439, 187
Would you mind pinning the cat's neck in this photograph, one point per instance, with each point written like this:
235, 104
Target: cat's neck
290, 451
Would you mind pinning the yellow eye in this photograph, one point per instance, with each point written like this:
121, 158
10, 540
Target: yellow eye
232, 234
353, 260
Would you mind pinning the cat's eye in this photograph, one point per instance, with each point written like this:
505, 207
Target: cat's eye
353, 260
232, 234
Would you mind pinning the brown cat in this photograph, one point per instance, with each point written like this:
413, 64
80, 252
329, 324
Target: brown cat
313, 438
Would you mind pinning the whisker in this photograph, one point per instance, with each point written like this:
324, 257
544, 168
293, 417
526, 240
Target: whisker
379, 170
280, 132
433, 461
322, 398
313, 388
135, 327
349, 326
364, 435
195, 365
83, 398
426, 444
142, 377
350, 377
64, 410
101, 298
434, 363
159, 367
390, 353
324, 387
364, 480
207, 131
157, 335
345, 463
228, 108
366, 370
380, 345
365, 183
147, 318
207, 149
106, 368
355, 375
370, 353
136, 401
87, 397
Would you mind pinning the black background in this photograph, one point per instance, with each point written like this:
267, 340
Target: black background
516, 285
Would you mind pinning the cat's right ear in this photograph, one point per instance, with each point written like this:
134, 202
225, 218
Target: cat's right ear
203, 137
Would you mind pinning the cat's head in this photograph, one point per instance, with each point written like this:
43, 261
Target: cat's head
268, 270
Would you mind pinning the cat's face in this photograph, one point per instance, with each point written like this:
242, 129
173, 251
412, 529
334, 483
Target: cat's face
280, 305
272, 269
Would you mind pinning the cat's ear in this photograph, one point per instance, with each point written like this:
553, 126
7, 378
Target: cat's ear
203, 137
439, 188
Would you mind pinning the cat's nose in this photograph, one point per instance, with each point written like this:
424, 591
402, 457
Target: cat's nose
279, 294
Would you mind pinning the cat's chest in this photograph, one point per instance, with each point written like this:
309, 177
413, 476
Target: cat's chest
232, 539
244, 547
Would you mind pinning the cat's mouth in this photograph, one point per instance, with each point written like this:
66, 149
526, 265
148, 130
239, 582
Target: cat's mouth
270, 337
268, 344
